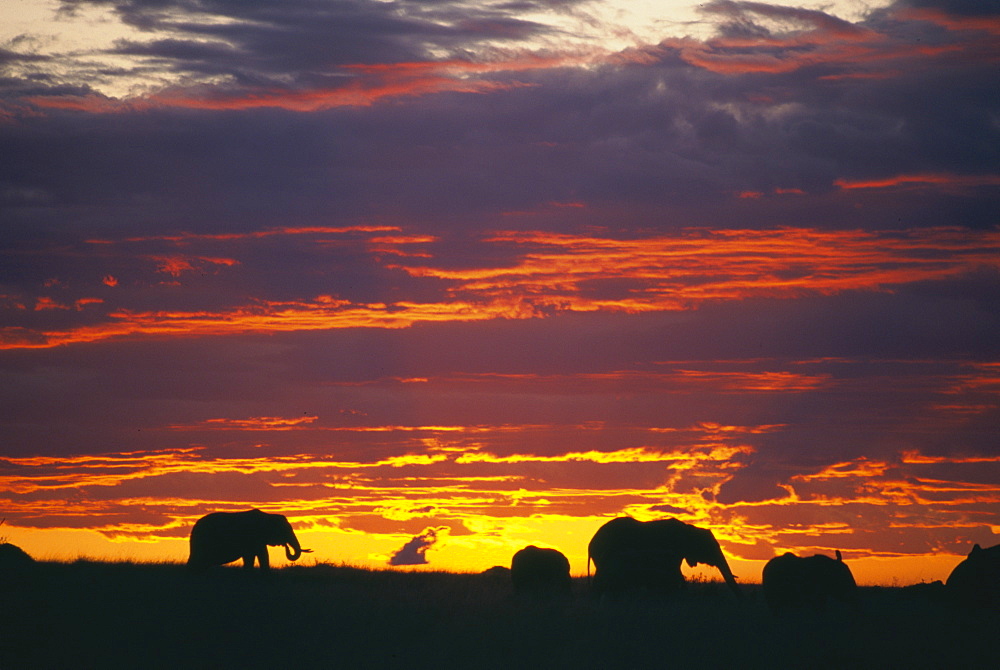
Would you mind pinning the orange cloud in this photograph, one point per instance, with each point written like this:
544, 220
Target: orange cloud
759, 381
45, 303
987, 24
910, 482
83, 302
261, 423
323, 313
553, 272
926, 179
175, 265
916, 458
859, 468
811, 38
677, 380
679, 272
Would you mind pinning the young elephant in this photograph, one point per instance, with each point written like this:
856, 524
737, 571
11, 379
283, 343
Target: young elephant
224, 537
540, 572
791, 582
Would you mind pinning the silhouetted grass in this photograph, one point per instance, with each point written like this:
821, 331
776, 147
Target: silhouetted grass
123, 615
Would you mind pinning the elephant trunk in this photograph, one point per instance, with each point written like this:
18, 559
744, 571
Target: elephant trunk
727, 575
292, 548
730, 579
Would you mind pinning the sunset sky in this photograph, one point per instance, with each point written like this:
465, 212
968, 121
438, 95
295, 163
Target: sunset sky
441, 279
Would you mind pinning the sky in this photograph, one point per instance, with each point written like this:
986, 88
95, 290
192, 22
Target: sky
441, 279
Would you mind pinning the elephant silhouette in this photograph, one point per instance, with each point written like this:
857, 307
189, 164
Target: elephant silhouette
13, 558
975, 582
224, 537
536, 571
631, 555
793, 583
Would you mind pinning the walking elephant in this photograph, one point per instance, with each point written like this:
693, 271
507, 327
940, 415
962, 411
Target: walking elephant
224, 537
540, 572
792, 583
630, 554
975, 582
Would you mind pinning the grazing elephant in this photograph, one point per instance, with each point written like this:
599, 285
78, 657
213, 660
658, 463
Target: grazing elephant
792, 582
537, 571
975, 582
224, 537
630, 554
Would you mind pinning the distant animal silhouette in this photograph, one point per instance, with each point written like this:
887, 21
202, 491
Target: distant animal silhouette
975, 582
540, 572
224, 537
793, 582
498, 574
633, 555
13, 558
933, 592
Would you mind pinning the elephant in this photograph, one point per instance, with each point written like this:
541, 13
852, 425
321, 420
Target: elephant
224, 537
13, 558
629, 554
540, 572
975, 582
498, 574
793, 583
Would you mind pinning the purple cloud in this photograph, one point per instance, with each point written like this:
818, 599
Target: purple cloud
414, 551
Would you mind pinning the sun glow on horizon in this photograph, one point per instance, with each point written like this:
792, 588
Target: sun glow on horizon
461, 553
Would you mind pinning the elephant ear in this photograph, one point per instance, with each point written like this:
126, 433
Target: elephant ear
691, 562
975, 549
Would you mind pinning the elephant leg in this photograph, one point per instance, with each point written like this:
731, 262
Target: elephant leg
262, 559
248, 561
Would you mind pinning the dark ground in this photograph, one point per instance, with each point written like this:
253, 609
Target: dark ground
121, 615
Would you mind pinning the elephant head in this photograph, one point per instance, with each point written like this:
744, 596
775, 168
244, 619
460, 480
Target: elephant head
702, 547
279, 533
631, 554
975, 582
224, 537
792, 582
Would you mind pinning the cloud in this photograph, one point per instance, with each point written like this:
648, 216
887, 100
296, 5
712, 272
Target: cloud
542, 274
381, 262
414, 551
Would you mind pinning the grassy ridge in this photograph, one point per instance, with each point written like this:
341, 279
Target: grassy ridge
121, 615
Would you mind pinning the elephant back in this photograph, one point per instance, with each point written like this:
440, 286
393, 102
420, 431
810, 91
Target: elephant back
975, 582
540, 571
794, 583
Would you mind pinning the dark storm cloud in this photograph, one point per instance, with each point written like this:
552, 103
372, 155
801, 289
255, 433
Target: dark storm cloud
258, 42
677, 141
740, 24
959, 7
414, 551
7, 57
